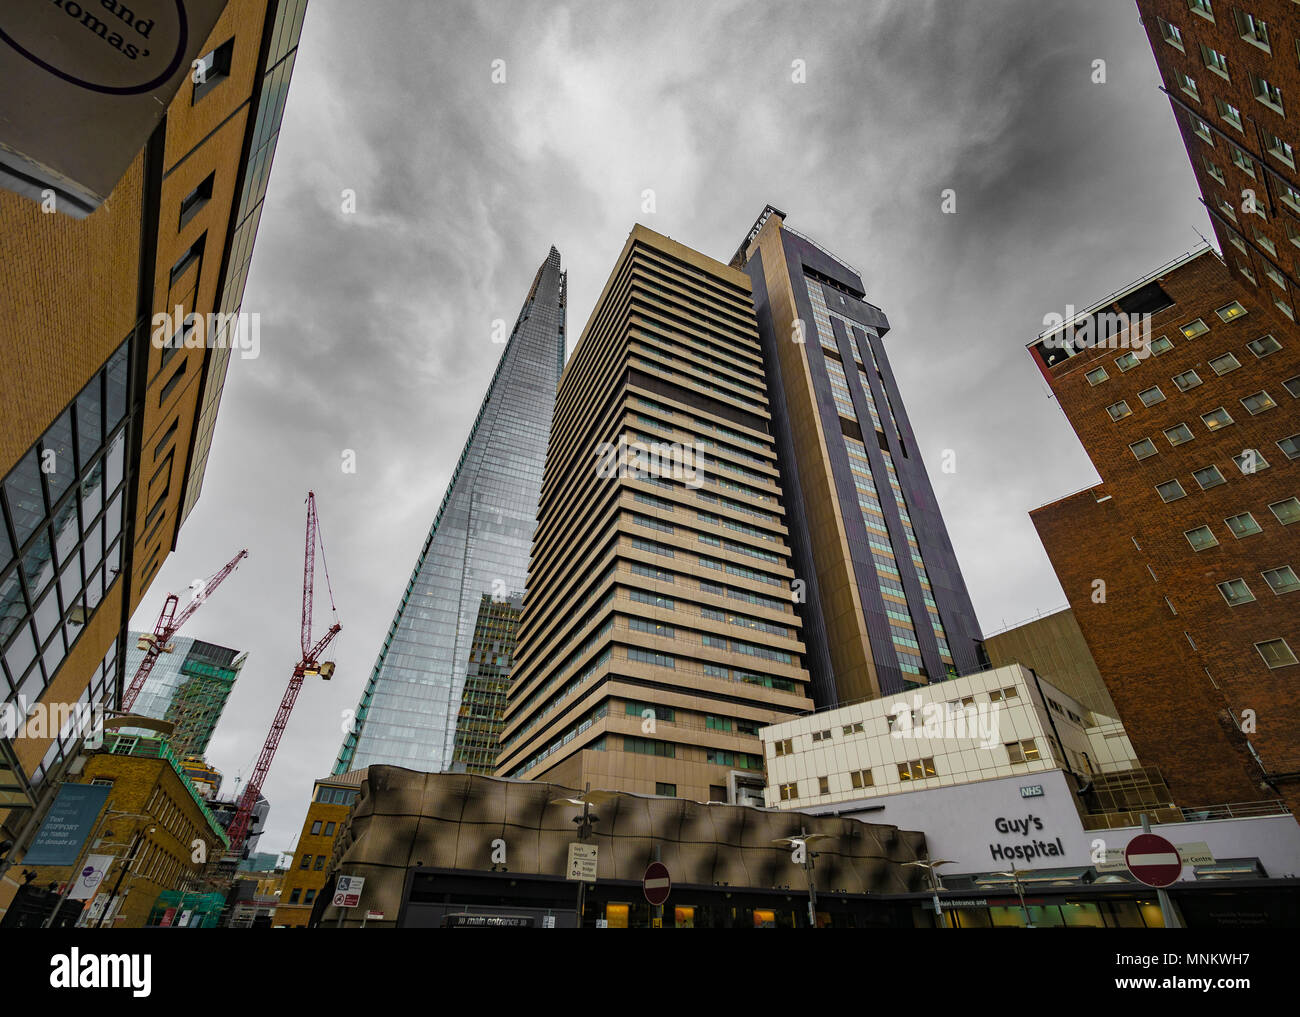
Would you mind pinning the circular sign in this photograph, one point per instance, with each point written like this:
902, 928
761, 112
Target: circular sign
111, 48
656, 884
1153, 860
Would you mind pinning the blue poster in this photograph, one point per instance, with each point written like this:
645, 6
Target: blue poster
67, 825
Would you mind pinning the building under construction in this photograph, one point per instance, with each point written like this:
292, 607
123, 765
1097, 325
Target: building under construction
188, 686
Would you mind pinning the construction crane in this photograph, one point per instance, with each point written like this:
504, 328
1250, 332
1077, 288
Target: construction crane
169, 622
310, 666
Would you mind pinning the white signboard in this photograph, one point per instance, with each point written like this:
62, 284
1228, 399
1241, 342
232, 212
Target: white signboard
582, 862
83, 85
347, 892
91, 874
1196, 853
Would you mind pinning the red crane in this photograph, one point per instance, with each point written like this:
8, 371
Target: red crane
169, 622
310, 664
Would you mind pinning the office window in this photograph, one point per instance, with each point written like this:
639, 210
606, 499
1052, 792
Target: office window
1161, 344
1178, 434
1187, 380
1201, 538
315, 828
1171, 34
1208, 477
1265, 242
196, 199
855, 728
1243, 525
1250, 461
1127, 361
1151, 396
1251, 29
1215, 61
1235, 592
1143, 449
329, 829
1241, 160
1246, 271
297, 893
183, 263
861, 779
665, 790
1202, 130
1216, 419
1267, 93
1229, 312
1258, 403
1282, 305
1276, 653
1277, 278
1292, 385
1119, 410
1281, 580
1022, 751
1224, 363
1202, 7
306, 862
789, 791
1287, 512
1096, 376
1263, 346
823, 785
320, 863
1290, 446
309, 897
916, 769
1170, 490
1230, 114
214, 68
784, 747
1002, 695
1283, 151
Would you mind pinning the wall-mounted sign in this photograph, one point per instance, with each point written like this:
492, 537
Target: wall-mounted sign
1196, 853
83, 83
67, 825
1032, 791
1024, 828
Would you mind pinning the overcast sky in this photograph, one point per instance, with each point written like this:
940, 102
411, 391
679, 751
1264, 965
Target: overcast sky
376, 326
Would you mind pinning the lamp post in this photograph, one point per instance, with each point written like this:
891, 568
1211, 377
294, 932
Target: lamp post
935, 886
587, 799
126, 868
802, 854
91, 844
1014, 875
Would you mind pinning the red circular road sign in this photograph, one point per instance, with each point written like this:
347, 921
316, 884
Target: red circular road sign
656, 884
1153, 860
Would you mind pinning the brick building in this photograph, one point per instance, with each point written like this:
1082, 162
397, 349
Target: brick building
1232, 76
106, 416
331, 803
1181, 567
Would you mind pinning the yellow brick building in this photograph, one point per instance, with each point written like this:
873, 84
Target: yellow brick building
331, 803
106, 416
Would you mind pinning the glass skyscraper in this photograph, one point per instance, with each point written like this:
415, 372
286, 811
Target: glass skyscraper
188, 686
479, 544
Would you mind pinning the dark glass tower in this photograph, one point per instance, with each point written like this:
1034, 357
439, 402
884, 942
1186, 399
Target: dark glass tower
483, 703
884, 603
479, 544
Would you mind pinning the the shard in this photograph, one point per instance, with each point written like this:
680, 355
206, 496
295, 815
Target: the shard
479, 544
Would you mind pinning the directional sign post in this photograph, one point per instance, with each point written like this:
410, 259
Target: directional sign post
347, 893
1155, 861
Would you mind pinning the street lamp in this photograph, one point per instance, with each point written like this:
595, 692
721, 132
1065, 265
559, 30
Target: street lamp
1014, 875
126, 868
91, 845
935, 885
587, 799
801, 843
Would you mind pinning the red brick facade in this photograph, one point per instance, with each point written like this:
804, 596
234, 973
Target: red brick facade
1178, 659
1231, 160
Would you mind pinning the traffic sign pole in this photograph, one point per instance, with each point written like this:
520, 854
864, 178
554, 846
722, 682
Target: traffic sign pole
1167, 913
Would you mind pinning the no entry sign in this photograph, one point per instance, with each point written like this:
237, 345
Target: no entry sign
1153, 860
655, 884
